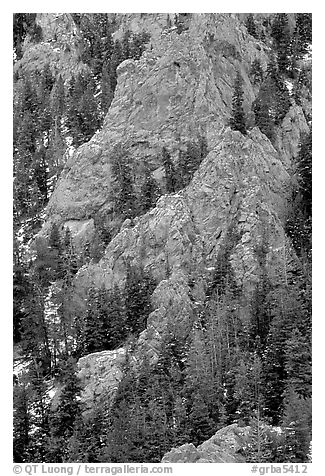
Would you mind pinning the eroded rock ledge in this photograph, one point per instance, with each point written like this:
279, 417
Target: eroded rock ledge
223, 447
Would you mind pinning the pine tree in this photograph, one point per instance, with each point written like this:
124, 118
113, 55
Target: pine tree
45, 85
83, 117
298, 363
138, 289
304, 171
34, 332
237, 121
126, 45
297, 426
125, 199
303, 33
181, 428
115, 60
106, 88
40, 175
247, 390
181, 22
55, 253
87, 441
21, 423
62, 420
58, 99
280, 33
287, 312
197, 371
200, 423
189, 161
256, 71
170, 172
299, 216
149, 193
37, 408
21, 288
272, 102
250, 25
263, 444
94, 332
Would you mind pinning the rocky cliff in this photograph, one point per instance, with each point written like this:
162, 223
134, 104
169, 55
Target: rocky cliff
224, 447
180, 90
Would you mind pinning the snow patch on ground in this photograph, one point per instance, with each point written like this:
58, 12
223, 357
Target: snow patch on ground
289, 85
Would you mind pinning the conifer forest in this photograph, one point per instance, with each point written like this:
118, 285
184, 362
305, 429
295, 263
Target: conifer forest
162, 214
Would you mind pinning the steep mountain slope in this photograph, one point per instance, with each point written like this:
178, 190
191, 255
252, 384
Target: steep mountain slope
240, 185
217, 248
176, 91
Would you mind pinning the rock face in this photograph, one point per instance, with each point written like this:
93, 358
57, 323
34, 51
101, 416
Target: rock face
241, 182
294, 124
60, 48
179, 90
100, 374
223, 447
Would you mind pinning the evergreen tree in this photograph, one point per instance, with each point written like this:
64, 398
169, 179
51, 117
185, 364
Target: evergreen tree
126, 44
181, 22
62, 420
247, 388
25, 24
138, 44
287, 312
58, 99
223, 279
303, 33
87, 441
298, 363
21, 288
170, 172
272, 102
45, 85
116, 321
125, 199
181, 425
40, 175
138, 289
304, 171
82, 111
21, 424
263, 444
34, 332
250, 25
299, 217
280, 33
237, 121
189, 161
200, 423
256, 71
93, 337
106, 88
35, 413
149, 193
115, 60
297, 427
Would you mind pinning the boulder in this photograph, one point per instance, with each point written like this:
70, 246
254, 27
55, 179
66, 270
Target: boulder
99, 374
223, 447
